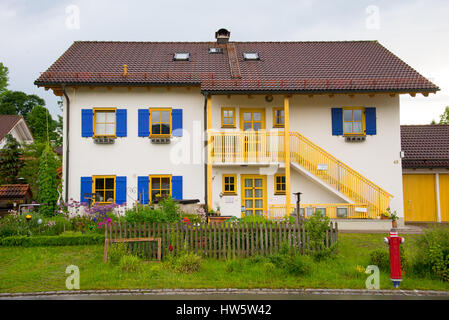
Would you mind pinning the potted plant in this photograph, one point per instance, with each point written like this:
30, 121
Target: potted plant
385, 215
394, 219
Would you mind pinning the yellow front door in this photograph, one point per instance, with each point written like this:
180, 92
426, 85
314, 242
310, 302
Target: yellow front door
444, 197
420, 204
254, 190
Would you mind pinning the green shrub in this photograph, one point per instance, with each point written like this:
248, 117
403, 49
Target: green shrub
298, 264
256, 259
380, 258
116, 251
277, 260
316, 227
61, 240
233, 265
166, 211
130, 263
253, 219
269, 267
185, 263
432, 256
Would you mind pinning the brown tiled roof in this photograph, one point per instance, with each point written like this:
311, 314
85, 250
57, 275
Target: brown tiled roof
7, 122
14, 191
425, 146
283, 66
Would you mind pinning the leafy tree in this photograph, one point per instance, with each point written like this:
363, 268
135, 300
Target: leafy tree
48, 182
444, 118
32, 154
3, 78
10, 162
41, 123
20, 103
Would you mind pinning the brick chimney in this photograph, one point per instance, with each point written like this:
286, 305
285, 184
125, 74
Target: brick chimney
222, 36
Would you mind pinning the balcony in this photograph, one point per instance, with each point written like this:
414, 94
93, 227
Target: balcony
247, 147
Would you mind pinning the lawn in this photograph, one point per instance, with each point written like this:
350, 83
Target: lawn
43, 269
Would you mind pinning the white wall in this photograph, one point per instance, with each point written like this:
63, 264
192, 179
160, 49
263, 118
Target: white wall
231, 204
377, 158
134, 156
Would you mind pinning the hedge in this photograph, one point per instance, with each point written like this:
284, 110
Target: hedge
61, 240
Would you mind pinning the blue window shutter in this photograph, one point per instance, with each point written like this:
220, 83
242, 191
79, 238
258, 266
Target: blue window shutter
143, 184
121, 122
144, 122
120, 190
176, 115
176, 187
86, 187
337, 121
87, 120
370, 121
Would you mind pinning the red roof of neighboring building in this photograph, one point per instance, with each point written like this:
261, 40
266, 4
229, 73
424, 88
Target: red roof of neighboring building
425, 146
7, 122
345, 66
14, 191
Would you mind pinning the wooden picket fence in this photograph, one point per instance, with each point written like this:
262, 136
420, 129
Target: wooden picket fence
222, 241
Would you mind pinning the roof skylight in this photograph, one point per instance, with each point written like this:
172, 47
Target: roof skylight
181, 56
250, 55
215, 50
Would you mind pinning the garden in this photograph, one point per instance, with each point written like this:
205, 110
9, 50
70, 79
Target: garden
36, 248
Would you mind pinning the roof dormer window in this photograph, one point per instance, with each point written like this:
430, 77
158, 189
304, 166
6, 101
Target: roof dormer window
181, 56
250, 55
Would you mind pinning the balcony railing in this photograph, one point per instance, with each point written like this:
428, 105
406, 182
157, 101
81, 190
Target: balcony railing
247, 147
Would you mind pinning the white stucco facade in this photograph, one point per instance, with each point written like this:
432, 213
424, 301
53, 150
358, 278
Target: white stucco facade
377, 158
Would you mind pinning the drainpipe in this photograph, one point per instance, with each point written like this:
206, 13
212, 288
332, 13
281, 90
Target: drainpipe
205, 156
66, 189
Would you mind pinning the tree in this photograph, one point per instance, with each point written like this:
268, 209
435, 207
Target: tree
32, 154
10, 162
17, 102
48, 182
40, 122
3, 78
444, 117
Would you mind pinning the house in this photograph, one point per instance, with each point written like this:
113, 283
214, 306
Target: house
17, 127
425, 168
239, 125
12, 195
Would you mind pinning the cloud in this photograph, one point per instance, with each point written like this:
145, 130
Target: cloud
37, 32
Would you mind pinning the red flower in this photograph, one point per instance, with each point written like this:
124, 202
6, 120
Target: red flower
170, 247
186, 220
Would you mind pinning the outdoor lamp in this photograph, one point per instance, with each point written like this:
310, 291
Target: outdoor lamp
28, 217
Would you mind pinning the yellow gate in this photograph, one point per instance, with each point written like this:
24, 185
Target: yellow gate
420, 204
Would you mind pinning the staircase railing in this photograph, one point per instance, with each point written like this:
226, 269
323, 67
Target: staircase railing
337, 174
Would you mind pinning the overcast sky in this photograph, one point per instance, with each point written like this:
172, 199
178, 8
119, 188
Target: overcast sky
35, 33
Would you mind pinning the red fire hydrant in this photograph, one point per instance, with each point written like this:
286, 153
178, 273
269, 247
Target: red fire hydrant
395, 257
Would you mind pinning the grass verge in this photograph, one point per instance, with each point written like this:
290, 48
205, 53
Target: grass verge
43, 269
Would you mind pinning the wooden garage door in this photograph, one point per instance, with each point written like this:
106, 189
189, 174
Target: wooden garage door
419, 197
444, 197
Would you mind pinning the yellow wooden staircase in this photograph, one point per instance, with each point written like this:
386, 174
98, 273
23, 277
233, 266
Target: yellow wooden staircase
338, 175
244, 147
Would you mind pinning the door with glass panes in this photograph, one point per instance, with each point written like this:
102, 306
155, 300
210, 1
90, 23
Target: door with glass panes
252, 121
254, 192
